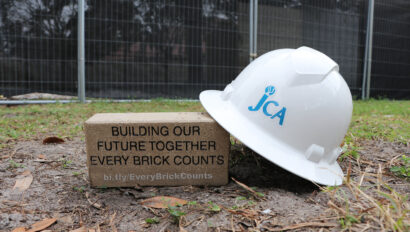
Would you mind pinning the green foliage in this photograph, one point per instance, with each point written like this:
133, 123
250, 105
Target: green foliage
79, 189
76, 173
213, 207
402, 170
348, 221
192, 203
349, 149
13, 164
152, 220
240, 198
175, 213
65, 163
260, 194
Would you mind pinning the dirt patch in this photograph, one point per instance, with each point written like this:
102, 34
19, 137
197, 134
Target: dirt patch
60, 189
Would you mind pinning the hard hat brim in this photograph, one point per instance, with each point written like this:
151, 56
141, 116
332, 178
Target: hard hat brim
267, 146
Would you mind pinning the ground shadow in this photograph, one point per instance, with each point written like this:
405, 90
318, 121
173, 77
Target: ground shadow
254, 170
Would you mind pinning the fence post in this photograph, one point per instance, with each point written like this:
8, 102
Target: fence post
250, 30
253, 29
81, 53
368, 52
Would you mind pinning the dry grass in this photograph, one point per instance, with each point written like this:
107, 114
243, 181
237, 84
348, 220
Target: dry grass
369, 203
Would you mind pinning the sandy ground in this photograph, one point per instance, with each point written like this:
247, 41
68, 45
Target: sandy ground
64, 193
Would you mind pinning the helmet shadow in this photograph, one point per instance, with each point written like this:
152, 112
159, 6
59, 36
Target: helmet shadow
253, 170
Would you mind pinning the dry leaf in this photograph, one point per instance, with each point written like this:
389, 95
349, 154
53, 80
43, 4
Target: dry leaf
25, 173
66, 220
91, 230
181, 229
52, 140
38, 226
81, 229
24, 182
19, 229
95, 204
41, 156
163, 202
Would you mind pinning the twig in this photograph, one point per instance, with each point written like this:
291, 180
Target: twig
301, 225
189, 223
233, 227
244, 186
112, 224
334, 206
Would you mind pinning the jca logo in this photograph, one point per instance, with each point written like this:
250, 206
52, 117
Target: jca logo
269, 91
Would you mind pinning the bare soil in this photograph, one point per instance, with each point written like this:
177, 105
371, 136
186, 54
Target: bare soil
63, 191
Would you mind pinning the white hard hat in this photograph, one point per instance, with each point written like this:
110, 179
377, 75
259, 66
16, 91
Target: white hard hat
292, 107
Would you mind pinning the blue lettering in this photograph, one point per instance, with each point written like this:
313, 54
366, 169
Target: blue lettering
269, 90
265, 107
280, 115
260, 103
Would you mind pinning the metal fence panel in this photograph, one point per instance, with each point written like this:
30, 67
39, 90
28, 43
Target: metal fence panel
38, 47
332, 27
145, 49
177, 48
391, 50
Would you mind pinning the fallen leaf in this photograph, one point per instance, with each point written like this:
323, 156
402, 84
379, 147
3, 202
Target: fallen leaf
66, 220
38, 226
52, 140
19, 229
41, 156
94, 204
24, 181
81, 229
26, 173
181, 229
163, 202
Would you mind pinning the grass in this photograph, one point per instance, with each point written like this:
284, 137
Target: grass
374, 119
29, 122
381, 119
402, 169
372, 207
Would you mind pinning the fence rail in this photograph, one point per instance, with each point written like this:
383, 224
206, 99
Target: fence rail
142, 49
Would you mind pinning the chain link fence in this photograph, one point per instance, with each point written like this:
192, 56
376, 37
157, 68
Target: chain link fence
140, 49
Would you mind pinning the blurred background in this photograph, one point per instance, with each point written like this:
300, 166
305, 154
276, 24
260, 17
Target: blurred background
142, 49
